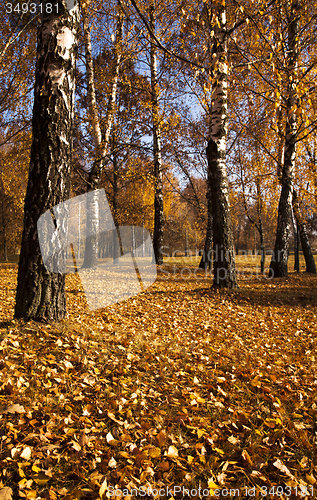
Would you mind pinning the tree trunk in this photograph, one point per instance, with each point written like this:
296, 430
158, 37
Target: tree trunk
278, 266
5, 247
158, 177
223, 243
259, 225
296, 244
101, 144
40, 293
262, 252
4, 236
118, 250
307, 251
206, 260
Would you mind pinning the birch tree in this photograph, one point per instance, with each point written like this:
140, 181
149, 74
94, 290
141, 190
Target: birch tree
40, 293
223, 243
278, 264
302, 230
101, 142
157, 152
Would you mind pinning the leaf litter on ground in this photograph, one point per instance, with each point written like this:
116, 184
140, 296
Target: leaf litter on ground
179, 386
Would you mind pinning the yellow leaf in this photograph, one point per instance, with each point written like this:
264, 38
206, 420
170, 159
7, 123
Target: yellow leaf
200, 400
154, 452
41, 478
200, 433
246, 457
172, 452
212, 486
310, 479
21, 473
103, 487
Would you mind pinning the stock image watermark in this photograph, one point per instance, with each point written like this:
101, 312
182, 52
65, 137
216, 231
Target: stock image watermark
187, 273
300, 491
216, 255
38, 7
175, 491
118, 262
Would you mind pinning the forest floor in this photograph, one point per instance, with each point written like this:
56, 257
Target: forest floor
181, 391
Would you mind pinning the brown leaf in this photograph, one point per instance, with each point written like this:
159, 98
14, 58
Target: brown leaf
164, 466
6, 493
14, 409
161, 438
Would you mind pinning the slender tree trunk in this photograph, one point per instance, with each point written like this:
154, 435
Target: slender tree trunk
118, 250
3, 227
100, 143
223, 243
186, 242
307, 251
5, 247
278, 266
4, 205
158, 177
40, 293
262, 246
259, 225
205, 261
296, 243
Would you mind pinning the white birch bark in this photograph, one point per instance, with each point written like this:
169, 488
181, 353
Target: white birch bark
101, 143
40, 293
278, 265
158, 177
223, 243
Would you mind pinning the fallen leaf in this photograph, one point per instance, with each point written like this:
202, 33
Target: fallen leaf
278, 464
6, 493
26, 453
161, 438
103, 487
172, 452
112, 462
15, 409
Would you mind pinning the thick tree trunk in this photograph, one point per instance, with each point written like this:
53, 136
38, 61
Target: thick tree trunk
223, 243
278, 266
158, 177
101, 144
40, 293
307, 251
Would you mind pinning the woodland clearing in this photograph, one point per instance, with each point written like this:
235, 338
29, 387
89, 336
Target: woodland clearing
179, 386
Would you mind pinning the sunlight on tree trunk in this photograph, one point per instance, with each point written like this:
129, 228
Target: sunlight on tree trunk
41, 294
158, 178
278, 266
101, 143
300, 223
223, 243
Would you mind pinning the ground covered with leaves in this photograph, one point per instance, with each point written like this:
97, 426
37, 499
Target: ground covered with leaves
180, 392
